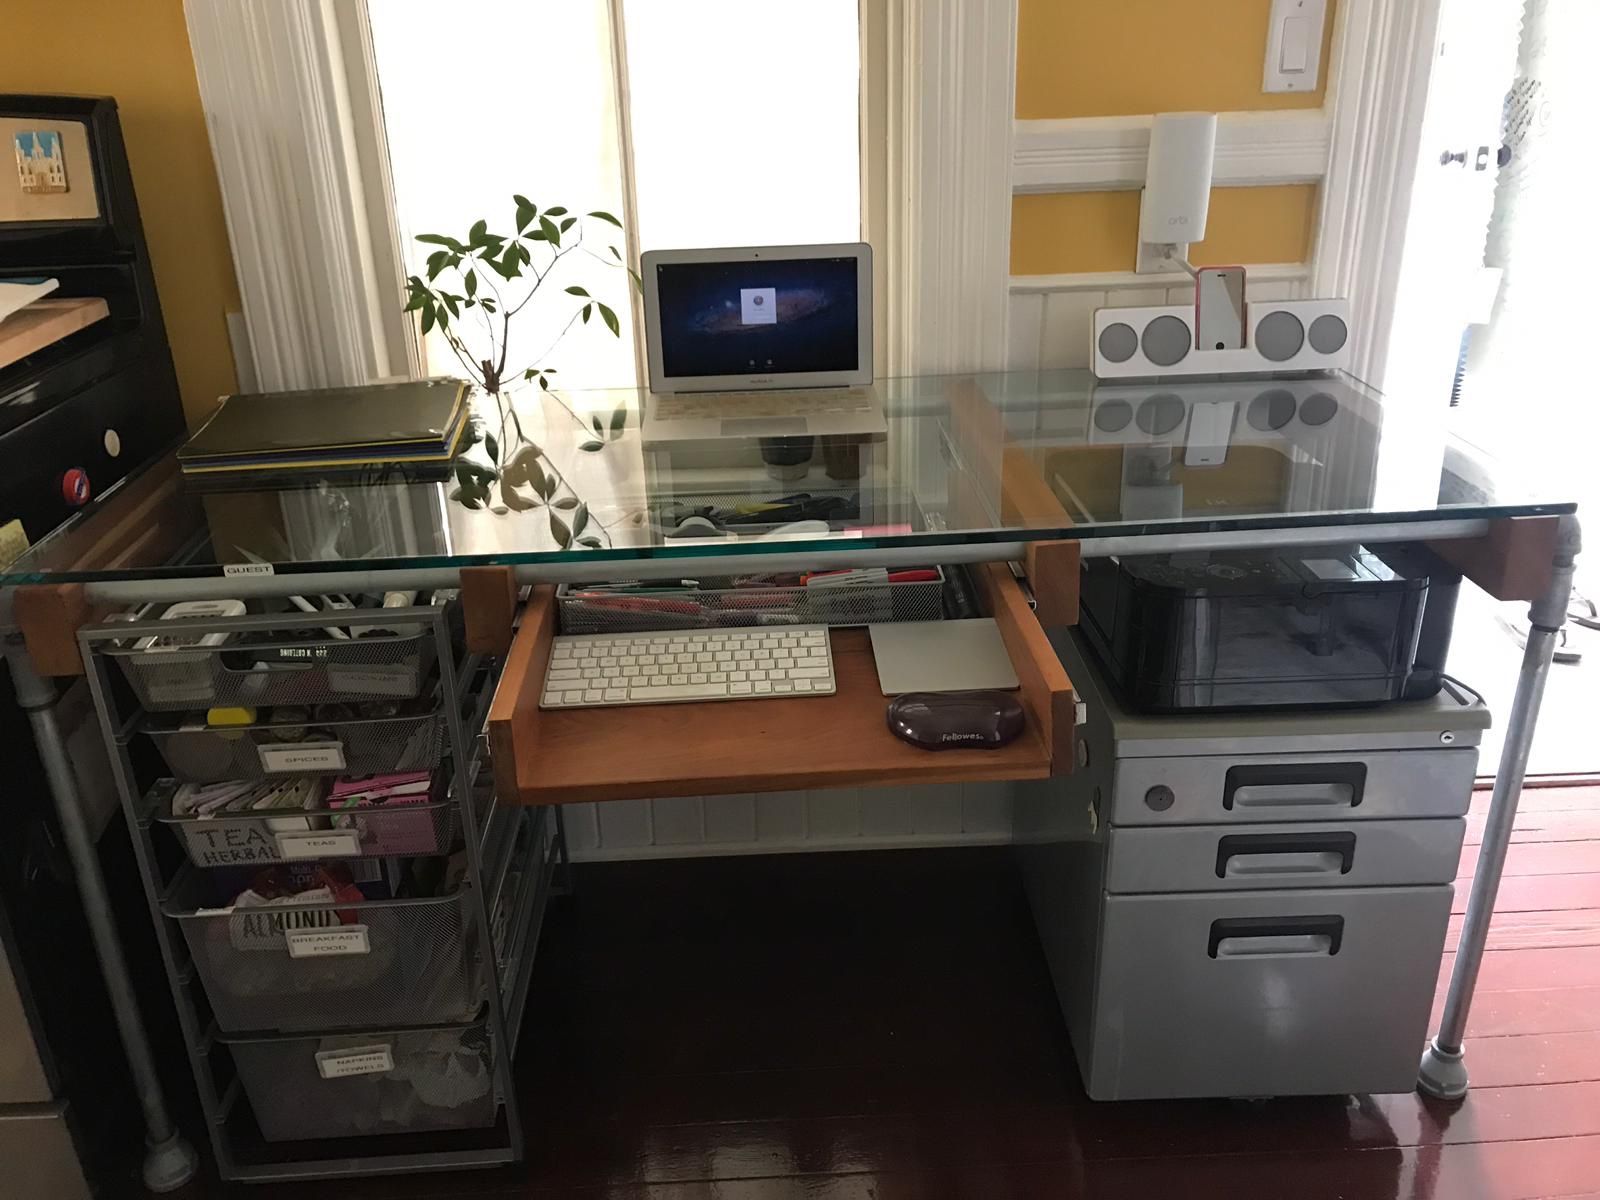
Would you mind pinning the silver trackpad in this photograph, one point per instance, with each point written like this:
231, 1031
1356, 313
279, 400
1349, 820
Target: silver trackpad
765, 427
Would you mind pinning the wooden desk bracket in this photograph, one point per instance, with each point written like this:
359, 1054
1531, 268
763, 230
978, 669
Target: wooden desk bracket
489, 608
1513, 561
50, 615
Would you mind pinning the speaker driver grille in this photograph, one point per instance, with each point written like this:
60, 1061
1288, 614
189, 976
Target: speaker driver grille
1160, 414
1328, 334
1118, 342
1271, 410
1280, 336
1167, 341
1319, 408
1113, 416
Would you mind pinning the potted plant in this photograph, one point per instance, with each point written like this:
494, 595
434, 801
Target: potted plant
472, 290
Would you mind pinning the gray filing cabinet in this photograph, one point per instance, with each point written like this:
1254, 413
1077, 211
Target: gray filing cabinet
1249, 905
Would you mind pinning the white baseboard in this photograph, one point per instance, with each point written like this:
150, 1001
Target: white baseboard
785, 822
722, 849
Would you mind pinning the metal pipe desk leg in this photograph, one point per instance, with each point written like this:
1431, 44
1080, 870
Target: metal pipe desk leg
169, 1161
1444, 1070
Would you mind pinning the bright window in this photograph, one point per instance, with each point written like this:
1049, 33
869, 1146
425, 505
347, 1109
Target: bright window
745, 121
742, 120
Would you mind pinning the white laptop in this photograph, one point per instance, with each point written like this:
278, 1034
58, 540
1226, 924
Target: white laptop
759, 341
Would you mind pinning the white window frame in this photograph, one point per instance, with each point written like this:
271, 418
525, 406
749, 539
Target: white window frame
291, 98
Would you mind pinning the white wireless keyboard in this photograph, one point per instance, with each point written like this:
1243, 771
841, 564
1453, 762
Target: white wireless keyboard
601, 670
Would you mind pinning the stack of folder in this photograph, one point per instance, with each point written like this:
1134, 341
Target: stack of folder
413, 429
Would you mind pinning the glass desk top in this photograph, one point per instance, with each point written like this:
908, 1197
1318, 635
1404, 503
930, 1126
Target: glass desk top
945, 460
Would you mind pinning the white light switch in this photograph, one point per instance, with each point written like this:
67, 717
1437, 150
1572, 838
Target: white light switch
1294, 45
1295, 38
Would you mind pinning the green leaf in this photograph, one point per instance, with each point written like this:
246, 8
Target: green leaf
536, 236
542, 483
575, 290
439, 239
488, 305
463, 475
591, 447
615, 253
637, 281
568, 223
544, 384
559, 531
548, 228
525, 209
567, 502
607, 217
619, 418
557, 211
586, 308
476, 235
580, 518
453, 304
436, 262
492, 446
418, 299
427, 318
591, 541
600, 430
610, 318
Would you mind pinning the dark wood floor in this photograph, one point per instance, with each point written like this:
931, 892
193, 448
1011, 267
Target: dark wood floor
881, 1025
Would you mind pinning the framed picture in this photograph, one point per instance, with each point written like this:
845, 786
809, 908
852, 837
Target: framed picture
41, 161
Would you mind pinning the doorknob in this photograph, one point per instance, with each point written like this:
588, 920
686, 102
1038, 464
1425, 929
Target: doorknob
1482, 163
1460, 156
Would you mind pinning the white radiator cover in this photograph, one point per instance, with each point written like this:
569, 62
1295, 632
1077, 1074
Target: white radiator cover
877, 818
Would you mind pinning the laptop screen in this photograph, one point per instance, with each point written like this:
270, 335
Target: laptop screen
784, 316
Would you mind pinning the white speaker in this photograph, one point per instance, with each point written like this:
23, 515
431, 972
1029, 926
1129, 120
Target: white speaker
1280, 335
1230, 412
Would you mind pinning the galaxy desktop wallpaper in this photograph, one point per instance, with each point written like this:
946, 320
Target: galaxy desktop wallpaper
784, 316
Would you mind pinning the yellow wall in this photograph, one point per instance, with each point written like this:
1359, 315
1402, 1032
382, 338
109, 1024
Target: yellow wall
139, 53
1103, 58
1066, 232
1077, 58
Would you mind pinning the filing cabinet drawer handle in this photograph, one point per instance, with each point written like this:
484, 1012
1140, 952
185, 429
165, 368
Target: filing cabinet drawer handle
1259, 937
1295, 785
1285, 854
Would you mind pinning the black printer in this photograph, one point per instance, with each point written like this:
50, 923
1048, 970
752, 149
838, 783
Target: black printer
1270, 629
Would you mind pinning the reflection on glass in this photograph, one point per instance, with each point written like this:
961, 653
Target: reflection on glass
996, 458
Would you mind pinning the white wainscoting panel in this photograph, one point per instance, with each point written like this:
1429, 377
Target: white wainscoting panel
834, 819
1067, 317
1052, 315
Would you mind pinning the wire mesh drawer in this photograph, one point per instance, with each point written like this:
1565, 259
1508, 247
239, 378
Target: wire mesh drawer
201, 753
289, 836
857, 598
277, 670
369, 1083
291, 967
